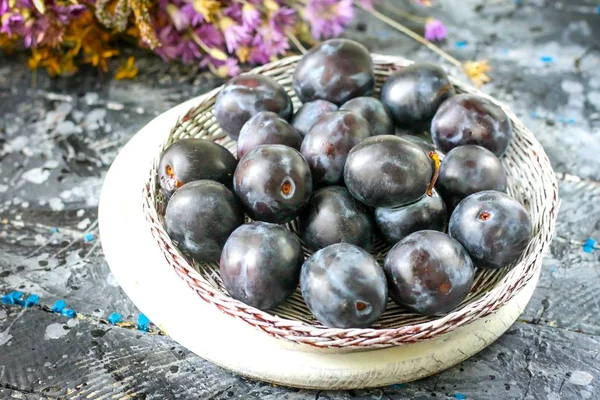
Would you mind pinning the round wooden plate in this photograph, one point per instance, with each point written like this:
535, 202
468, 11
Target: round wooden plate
151, 283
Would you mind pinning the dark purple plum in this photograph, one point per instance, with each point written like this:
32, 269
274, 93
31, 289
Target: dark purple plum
427, 213
336, 70
374, 112
260, 264
420, 140
470, 119
266, 127
190, 160
413, 94
344, 287
387, 171
246, 95
309, 113
429, 272
493, 227
200, 216
469, 169
334, 216
328, 143
273, 182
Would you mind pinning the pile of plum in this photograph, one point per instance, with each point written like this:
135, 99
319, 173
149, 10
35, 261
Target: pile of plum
349, 168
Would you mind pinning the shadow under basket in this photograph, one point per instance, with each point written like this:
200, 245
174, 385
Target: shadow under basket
531, 181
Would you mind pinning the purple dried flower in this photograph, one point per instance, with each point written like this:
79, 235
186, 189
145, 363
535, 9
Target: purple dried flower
12, 24
272, 41
283, 18
229, 67
193, 16
180, 19
235, 35
188, 51
234, 11
169, 39
258, 55
250, 16
210, 35
328, 17
435, 30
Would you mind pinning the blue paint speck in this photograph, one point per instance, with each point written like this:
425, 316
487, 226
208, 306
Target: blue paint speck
534, 114
571, 121
88, 237
54, 230
589, 244
460, 396
114, 318
598, 10
518, 2
67, 312
547, 59
461, 44
58, 306
32, 300
398, 386
143, 322
13, 298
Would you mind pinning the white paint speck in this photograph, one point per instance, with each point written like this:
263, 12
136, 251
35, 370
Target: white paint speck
83, 223
111, 280
80, 212
594, 98
51, 164
3, 188
72, 322
47, 364
66, 195
572, 86
65, 356
42, 202
36, 175
55, 331
25, 204
2, 314
56, 204
585, 394
581, 378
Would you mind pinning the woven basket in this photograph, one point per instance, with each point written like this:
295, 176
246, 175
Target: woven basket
531, 181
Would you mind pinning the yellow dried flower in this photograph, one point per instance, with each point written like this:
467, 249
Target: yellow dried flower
207, 8
127, 70
476, 71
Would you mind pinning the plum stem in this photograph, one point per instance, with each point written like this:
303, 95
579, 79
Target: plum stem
436, 172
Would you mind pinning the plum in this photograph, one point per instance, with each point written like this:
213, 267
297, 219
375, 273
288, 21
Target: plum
374, 112
246, 95
469, 169
470, 119
493, 227
273, 182
334, 216
266, 127
344, 287
427, 213
336, 70
190, 160
419, 140
327, 144
200, 216
429, 272
309, 113
260, 264
387, 171
413, 94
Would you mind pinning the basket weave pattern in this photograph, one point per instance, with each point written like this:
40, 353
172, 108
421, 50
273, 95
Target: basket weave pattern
531, 181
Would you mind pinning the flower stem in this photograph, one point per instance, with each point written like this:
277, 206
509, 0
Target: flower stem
412, 35
296, 42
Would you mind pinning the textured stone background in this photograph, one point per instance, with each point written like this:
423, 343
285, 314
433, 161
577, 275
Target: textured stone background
57, 140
